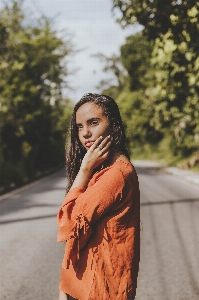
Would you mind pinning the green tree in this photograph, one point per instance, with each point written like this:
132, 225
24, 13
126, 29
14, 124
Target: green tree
130, 91
135, 57
158, 16
171, 27
33, 71
135, 101
116, 73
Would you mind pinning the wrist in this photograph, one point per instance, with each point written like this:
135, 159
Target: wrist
82, 178
85, 170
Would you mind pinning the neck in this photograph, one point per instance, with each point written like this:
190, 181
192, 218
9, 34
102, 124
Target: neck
113, 157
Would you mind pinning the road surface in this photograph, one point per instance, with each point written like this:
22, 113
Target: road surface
30, 258
169, 268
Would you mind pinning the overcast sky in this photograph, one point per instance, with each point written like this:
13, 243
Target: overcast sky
93, 28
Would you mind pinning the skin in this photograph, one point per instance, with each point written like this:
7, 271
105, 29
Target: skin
62, 296
91, 123
94, 130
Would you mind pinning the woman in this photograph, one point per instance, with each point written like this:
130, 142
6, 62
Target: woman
100, 215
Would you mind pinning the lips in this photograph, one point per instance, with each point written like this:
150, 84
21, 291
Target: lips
89, 143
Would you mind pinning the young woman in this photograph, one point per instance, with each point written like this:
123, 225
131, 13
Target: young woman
100, 216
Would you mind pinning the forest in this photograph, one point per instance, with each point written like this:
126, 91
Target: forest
156, 85
157, 80
34, 115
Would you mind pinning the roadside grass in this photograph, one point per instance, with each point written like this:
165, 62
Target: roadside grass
162, 154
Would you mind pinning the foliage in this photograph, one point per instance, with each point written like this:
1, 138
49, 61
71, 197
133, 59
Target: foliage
131, 95
33, 71
112, 66
136, 113
135, 56
163, 71
176, 95
158, 16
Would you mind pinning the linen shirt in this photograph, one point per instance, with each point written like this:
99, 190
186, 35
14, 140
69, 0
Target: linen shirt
101, 228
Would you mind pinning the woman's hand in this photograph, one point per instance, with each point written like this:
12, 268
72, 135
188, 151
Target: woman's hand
96, 154
62, 296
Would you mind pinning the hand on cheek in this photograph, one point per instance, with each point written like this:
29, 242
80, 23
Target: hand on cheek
97, 153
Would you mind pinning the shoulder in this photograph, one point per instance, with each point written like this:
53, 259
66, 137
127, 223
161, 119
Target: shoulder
128, 172
118, 171
122, 163
125, 167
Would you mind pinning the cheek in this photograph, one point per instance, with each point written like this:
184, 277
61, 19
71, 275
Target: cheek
107, 131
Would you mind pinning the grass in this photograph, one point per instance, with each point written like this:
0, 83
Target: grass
162, 154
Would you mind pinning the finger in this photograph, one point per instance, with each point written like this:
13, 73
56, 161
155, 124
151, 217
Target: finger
106, 141
101, 143
105, 155
106, 148
97, 142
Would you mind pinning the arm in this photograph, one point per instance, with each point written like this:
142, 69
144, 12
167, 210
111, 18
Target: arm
92, 159
84, 205
62, 296
82, 208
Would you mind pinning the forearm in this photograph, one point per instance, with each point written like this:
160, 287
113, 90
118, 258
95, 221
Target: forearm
82, 178
93, 158
62, 296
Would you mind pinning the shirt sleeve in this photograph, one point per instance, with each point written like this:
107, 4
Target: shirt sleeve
81, 208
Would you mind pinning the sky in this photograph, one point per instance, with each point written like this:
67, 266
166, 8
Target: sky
93, 29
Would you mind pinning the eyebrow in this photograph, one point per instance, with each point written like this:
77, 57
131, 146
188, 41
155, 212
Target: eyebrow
89, 120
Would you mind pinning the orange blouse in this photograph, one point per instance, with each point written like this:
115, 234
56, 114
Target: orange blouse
101, 228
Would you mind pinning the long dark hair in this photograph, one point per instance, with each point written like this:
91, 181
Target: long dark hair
76, 151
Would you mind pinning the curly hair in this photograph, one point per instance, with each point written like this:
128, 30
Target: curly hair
76, 151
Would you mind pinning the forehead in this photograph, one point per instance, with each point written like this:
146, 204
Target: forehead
89, 110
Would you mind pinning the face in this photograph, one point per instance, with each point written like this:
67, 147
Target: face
91, 123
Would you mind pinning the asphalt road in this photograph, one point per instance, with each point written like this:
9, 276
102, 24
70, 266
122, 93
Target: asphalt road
169, 267
30, 258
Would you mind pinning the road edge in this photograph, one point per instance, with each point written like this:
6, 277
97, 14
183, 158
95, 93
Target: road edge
187, 175
31, 184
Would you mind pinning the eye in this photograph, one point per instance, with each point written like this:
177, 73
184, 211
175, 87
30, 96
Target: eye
94, 122
79, 126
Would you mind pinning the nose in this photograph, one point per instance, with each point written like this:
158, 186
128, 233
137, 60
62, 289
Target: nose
86, 132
